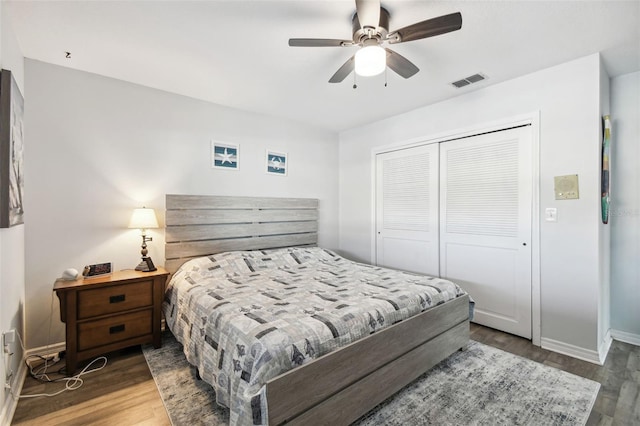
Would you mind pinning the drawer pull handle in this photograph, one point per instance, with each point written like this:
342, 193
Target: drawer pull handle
116, 329
117, 299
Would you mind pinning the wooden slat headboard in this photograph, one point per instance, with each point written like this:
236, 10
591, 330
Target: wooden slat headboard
200, 225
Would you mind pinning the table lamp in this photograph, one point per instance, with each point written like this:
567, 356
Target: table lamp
144, 219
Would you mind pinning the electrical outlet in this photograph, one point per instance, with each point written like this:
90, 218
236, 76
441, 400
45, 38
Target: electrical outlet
7, 379
9, 337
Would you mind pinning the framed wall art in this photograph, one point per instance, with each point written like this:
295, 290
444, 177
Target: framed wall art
11, 152
277, 163
605, 180
225, 155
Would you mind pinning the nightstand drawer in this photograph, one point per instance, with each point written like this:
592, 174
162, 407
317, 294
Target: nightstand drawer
102, 332
117, 298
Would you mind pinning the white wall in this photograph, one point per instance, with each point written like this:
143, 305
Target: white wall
625, 207
604, 326
12, 256
99, 147
567, 97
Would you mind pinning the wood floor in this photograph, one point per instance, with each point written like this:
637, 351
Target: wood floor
124, 393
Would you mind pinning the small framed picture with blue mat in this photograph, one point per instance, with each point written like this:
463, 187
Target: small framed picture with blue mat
225, 155
277, 163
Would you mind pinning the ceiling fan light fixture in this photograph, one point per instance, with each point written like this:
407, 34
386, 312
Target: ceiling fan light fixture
370, 61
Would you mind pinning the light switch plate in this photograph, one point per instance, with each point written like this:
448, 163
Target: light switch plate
551, 214
566, 187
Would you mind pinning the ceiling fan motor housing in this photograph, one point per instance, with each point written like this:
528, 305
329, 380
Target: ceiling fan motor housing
380, 33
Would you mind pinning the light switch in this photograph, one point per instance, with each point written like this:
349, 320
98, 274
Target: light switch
551, 214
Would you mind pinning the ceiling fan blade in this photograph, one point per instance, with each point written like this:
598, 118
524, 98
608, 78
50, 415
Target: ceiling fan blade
343, 71
368, 12
401, 65
429, 28
318, 42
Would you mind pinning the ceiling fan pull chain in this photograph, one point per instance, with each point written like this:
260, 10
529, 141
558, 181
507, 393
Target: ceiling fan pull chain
355, 85
385, 76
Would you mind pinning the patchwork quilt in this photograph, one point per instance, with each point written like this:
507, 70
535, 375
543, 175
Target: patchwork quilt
246, 317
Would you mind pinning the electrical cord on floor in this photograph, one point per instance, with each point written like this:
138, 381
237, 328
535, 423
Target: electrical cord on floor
40, 373
72, 383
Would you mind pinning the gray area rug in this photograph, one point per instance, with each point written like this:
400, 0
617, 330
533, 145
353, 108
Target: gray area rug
480, 386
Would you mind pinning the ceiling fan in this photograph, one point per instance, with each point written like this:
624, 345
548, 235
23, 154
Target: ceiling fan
370, 31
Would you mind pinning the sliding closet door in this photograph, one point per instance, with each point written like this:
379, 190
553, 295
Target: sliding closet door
407, 209
485, 225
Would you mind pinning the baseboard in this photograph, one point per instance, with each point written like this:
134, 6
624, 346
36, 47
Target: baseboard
605, 345
623, 336
571, 350
11, 402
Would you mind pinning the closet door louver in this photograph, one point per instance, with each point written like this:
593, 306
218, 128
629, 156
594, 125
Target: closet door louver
407, 209
482, 189
405, 193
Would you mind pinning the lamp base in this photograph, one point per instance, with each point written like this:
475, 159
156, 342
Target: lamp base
146, 265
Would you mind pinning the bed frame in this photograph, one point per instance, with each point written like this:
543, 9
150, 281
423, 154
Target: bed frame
341, 386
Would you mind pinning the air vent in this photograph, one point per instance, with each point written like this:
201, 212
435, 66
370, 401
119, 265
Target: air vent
461, 83
469, 80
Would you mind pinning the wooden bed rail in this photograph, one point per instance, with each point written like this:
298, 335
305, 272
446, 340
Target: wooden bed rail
339, 387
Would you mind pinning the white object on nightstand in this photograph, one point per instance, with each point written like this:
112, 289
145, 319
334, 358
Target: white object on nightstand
70, 274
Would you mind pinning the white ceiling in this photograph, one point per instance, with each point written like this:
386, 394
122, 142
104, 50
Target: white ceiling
235, 53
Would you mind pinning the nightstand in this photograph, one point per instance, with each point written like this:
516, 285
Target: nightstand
110, 312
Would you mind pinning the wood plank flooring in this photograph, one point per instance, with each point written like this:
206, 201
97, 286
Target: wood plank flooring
124, 393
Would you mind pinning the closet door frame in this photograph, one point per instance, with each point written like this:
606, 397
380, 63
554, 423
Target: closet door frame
532, 119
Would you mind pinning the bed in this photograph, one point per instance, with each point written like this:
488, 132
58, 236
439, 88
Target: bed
328, 381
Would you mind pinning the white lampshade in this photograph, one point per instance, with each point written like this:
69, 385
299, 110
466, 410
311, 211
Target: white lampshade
143, 218
370, 60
